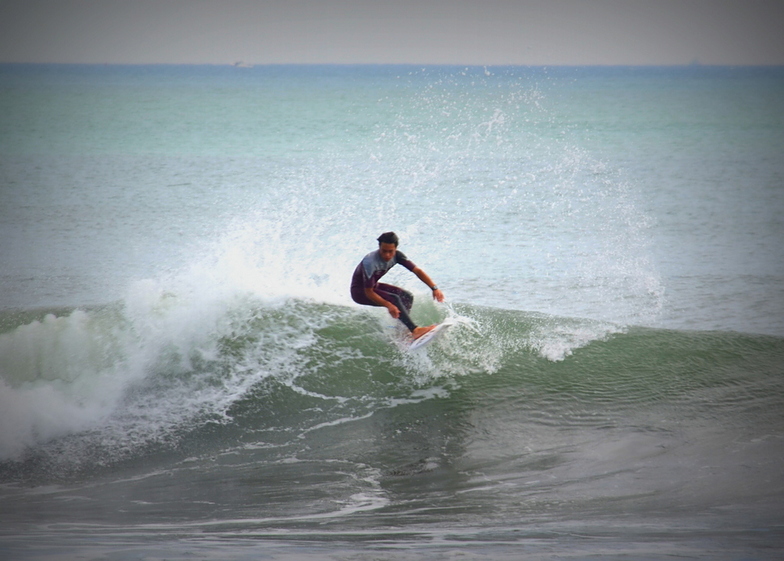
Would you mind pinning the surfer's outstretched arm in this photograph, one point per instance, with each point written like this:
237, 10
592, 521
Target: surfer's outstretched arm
425, 278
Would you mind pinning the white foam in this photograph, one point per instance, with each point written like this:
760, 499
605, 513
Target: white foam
57, 376
558, 340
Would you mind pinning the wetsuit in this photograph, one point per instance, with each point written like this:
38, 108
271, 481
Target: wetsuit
367, 274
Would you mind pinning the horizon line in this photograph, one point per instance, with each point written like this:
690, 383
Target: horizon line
241, 65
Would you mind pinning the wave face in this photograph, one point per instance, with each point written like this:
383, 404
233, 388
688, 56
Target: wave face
157, 366
88, 390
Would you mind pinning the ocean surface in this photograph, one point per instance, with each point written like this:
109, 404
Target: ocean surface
183, 374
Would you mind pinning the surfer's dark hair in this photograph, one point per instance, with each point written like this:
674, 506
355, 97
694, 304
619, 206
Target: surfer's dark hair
389, 237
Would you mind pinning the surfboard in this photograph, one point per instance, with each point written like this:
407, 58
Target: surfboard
430, 336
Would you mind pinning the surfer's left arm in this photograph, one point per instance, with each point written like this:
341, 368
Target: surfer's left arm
423, 276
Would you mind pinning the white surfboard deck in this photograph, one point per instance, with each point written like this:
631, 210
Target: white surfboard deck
430, 336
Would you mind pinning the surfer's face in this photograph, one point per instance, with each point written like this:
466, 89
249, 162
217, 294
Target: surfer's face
387, 250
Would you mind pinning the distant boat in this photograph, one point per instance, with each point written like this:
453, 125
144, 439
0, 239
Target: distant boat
241, 64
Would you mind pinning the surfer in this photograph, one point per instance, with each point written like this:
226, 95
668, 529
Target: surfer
366, 290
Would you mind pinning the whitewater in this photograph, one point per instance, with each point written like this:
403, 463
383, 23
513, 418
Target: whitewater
183, 373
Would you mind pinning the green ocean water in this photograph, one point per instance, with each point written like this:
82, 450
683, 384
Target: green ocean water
184, 375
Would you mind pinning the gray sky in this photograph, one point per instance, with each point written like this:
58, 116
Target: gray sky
537, 32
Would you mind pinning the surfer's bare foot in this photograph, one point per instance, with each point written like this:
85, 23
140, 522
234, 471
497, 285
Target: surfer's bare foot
419, 331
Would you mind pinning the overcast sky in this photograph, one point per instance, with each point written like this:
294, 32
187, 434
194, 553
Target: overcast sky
484, 32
